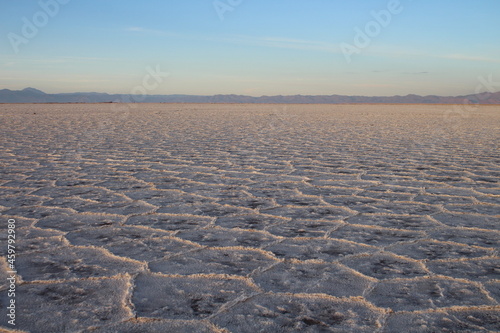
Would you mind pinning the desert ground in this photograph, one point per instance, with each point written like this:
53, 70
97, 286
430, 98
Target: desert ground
251, 218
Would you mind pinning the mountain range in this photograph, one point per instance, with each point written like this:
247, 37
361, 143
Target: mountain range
31, 95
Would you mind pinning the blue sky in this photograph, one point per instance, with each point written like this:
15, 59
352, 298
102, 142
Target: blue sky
251, 47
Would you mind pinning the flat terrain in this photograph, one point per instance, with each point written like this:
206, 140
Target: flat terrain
251, 218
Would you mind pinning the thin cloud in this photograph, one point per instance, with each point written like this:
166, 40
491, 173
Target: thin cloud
54, 79
373, 85
416, 73
300, 44
155, 32
409, 73
470, 58
393, 51
59, 60
266, 41
278, 42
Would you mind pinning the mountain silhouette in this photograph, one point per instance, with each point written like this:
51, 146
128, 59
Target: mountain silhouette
32, 95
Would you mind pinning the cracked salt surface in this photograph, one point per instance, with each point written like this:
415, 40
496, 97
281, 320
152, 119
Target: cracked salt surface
218, 218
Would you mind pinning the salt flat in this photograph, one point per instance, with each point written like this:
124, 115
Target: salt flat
252, 218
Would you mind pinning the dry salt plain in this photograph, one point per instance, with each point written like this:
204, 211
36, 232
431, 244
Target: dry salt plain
251, 218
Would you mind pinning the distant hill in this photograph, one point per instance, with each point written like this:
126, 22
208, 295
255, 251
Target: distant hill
32, 95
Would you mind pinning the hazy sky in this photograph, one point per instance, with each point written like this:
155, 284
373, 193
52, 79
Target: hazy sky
252, 47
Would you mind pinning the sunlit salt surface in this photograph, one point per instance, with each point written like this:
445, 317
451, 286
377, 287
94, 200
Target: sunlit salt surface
252, 218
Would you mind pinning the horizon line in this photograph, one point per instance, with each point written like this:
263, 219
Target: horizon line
242, 95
